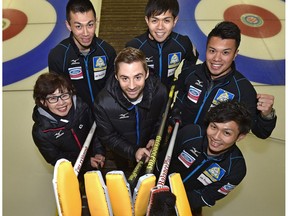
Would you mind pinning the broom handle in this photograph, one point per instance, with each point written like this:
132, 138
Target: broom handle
80, 159
154, 152
167, 160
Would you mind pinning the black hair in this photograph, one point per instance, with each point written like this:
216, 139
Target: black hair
230, 111
48, 83
157, 7
226, 30
81, 6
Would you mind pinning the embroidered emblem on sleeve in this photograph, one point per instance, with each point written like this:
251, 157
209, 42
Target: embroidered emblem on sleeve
193, 94
186, 159
99, 67
222, 95
226, 189
174, 59
75, 73
212, 174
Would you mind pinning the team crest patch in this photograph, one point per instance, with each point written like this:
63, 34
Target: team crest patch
99, 63
193, 94
212, 174
75, 73
226, 189
186, 159
222, 95
174, 59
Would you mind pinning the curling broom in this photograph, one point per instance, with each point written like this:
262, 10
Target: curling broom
161, 187
97, 194
65, 182
177, 187
147, 182
154, 152
119, 193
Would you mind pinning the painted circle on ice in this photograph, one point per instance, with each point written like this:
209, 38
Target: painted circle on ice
260, 60
42, 32
14, 21
253, 21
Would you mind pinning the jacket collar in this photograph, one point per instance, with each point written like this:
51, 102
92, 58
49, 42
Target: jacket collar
221, 79
154, 43
40, 112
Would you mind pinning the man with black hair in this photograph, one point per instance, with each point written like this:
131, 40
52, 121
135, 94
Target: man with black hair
164, 49
208, 159
203, 86
84, 58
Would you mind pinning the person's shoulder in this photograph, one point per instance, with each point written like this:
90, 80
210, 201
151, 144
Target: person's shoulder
154, 82
104, 44
60, 48
102, 96
80, 103
137, 41
236, 152
194, 130
191, 69
237, 162
241, 78
180, 37
63, 44
108, 92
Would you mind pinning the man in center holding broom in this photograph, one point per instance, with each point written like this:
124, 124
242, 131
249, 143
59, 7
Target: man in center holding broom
128, 110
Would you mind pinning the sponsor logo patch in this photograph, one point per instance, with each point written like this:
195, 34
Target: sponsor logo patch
193, 94
226, 189
75, 73
99, 74
186, 159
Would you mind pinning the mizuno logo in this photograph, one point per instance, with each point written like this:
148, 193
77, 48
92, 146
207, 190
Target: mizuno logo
124, 116
149, 59
74, 61
199, 83
59, 134
195, 152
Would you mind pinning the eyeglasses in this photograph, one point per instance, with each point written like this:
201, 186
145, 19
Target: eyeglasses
54, 99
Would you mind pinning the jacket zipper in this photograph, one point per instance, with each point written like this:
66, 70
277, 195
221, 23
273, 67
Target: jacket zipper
196, 169
88, 77
211, 87
160, 60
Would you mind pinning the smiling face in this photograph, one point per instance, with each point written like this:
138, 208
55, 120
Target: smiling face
161, 26
83, 26
61, 107
222, 136
220, 54
131, 78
